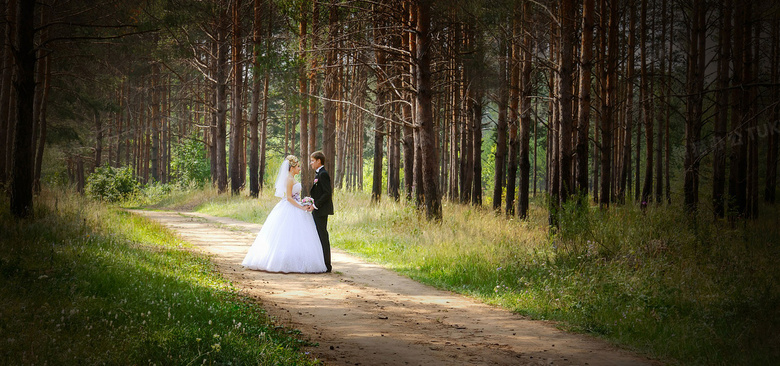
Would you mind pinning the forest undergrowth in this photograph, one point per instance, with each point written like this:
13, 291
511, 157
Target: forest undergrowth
681, 289
86, 283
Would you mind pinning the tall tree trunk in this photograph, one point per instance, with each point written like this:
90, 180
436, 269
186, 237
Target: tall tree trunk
264, 120
221, 96
647, 110
694, 108
476, 128
772, 158
99, 138
254, 138
566, 70
721, 111
394, 138
307, 174
237, 127
637, 166
501, 125
303, 107
609, 106
667, 142
7, 111
408, 142
467, 129
120, 124
425, 112
212, 98
752, 62
409, 149
536, 143
586, 64
46, 86
625, 167
331, 87
379, 123
514, 111
553, 166
155, 124
525, 115
738, 160
23, 154
663, 102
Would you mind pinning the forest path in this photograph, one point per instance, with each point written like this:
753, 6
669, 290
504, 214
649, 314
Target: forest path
364, 314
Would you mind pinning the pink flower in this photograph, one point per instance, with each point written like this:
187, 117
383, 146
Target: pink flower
315, 181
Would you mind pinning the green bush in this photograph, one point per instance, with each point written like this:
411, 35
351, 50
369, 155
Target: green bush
189, 163
111, 184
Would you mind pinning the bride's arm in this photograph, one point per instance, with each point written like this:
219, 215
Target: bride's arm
290, 184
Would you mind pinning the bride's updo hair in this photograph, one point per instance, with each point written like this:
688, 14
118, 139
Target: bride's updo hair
293, 161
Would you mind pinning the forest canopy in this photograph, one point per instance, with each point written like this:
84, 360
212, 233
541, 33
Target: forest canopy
476, 102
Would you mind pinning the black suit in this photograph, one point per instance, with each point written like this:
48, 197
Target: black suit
322, 193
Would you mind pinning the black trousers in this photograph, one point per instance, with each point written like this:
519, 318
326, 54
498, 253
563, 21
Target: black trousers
321, 222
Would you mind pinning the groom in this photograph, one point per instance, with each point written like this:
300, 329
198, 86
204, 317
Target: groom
322, 193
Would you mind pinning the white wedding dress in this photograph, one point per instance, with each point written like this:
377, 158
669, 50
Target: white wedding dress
287, 242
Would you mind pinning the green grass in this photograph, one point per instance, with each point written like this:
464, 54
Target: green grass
87, 284
680, 290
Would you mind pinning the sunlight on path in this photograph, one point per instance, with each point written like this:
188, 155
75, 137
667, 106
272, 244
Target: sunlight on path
363, 314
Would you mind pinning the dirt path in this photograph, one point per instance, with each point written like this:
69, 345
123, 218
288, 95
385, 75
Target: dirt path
363, 314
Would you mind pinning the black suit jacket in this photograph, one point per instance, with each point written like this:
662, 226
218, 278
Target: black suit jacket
322, 193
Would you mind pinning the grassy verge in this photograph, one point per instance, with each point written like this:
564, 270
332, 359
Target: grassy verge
86, 284
681, 290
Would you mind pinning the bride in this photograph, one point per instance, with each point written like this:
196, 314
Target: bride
288, 240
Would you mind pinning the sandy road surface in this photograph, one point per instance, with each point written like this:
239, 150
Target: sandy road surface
363, 314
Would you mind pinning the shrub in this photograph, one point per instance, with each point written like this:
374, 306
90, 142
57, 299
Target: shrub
189, 163
111, 184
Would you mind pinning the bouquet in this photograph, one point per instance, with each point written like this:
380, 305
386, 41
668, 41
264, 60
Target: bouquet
307, 201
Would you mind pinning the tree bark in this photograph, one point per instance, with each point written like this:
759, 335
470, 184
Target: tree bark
738, 155
99, 139
236, 129
264, 120
7, 111
525, 115
425, 112
647, 111
42, 100
221, 96
693, 123
752, 62
625, 167
586, 64
379, 123
331, 89
408, 142
721, 111
307, 174
662, 98
565, 69
501, 126
254, 138
303, 107
42, 123
154, 156
23, 154
772, 158
609, 106
476, 128
514, 112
